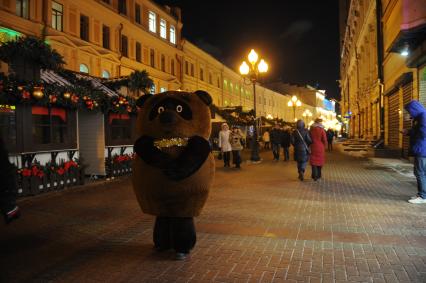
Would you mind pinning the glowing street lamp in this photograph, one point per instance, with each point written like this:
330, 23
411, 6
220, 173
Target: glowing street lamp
306, 114
251, 73
294, 102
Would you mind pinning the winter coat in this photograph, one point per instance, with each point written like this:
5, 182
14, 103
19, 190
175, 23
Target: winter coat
301, 154
319, 144
224, 143
265, 137
286, 138
276, 135
235, 140
417, 133
330, 135
7, 176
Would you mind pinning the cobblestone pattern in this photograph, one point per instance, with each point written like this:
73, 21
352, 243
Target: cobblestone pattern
260, 224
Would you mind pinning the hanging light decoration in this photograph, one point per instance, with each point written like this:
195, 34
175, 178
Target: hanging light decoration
38, 93
67, 95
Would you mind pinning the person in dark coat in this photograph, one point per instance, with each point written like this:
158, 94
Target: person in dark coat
330, 136
8, 206
285, 142
275, 137
417, 148
318, 146
300, 139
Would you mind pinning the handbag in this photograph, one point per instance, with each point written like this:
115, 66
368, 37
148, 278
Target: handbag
304, 143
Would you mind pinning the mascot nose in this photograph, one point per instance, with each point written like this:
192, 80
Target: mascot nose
167, 117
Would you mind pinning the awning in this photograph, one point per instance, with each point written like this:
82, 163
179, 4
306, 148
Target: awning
50, 77
96, 83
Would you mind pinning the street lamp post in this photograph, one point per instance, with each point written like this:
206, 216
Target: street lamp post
294, 102
306, 114
251, 72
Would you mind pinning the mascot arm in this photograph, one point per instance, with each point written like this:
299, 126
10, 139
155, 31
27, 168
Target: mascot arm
190, 160
145, 149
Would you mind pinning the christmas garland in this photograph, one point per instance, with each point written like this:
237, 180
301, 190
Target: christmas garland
80, 95
234, 116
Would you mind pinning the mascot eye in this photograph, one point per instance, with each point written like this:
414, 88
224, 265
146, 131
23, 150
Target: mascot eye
160, 109
179, 108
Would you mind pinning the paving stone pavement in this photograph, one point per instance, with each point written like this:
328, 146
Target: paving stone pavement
260, 224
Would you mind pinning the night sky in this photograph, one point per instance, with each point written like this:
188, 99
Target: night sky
298, 39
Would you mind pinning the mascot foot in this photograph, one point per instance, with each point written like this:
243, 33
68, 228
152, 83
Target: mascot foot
160, 249
181, 256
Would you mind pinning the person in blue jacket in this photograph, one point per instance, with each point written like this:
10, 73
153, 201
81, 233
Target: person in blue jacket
417, 147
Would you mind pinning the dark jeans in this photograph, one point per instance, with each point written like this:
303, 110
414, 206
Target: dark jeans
227, 158
330, 145
316, 172
286, 153
267, 145
236, 158
276, 150
175, 232
301, 166
420, 173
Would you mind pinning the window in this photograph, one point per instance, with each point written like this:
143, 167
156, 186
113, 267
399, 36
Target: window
124, 46
173, 34
49, 125
105, 74
84, 69
105, 37
8, 126
152, 20
153, 88
122, 7
186, 68
172, 67
23, 8
192, 69
57, 15
138, 52
218, 82
84, 27
163, 89
163, 28
163, 63
120, 126
152, 58
231, 87
201, 74
138, 13
210, 78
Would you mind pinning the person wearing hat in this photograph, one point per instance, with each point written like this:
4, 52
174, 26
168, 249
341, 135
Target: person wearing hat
318, 146
235, 140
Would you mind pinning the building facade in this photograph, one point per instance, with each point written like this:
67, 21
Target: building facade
382, 67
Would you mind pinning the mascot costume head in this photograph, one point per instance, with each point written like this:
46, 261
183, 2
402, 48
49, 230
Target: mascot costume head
175, 168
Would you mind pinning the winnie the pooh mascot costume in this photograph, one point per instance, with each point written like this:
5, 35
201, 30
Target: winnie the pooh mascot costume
174, 167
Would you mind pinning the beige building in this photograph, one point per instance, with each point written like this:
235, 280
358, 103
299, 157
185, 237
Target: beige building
112, 38
383, 61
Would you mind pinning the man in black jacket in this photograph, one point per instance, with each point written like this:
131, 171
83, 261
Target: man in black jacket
275, 137
8, 206
285, 143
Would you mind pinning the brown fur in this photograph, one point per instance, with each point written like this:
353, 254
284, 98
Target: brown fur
157, 194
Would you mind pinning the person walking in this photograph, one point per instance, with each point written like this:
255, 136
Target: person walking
330, 137
235, 138
318, 146
276, 141
417, 147
285, 143
225, 145
266, 140
300, 139
8, 206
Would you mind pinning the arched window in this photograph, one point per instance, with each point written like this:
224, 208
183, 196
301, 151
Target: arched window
84, 68
105, 74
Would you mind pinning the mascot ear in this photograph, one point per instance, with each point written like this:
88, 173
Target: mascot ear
141, 100
204, 96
